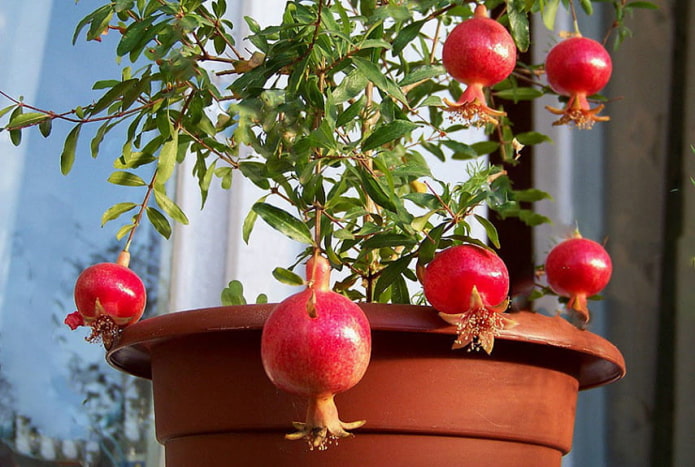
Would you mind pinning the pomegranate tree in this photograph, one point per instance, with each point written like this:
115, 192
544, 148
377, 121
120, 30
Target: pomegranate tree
479, 52
109, 297
469, 286
315, 344
578, 67
578, 268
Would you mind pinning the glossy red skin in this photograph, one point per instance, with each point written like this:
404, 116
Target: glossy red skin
450, 277
578, 267
578, 66
479, 51
316, 357
119, 291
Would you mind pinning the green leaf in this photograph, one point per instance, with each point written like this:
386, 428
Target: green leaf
644, 5
374, 74
549, 13
97, 19
23, 120
391, 273
533, 137
169, 206
284, 222
485, 147
376, 190
126, 179
167, 159
406, 35
45, 127
490, 230
518, 23
124, 230
287, 277
233, 294
587, 7
67, 157
249, 222
422, 73
115, 211
159, 222
387, 133
388, 239
517, 94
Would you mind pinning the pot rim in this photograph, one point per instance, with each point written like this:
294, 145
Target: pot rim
601, 362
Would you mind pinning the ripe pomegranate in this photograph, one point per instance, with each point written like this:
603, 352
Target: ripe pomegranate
109, 297
479, 52
578, 67
315, 344
578, 268
468, 285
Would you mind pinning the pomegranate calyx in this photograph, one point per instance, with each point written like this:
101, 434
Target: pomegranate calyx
105, 330
323, 425
474, 112
478, 326
74, 320
582, 116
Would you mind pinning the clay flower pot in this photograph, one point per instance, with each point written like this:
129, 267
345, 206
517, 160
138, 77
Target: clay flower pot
425, 405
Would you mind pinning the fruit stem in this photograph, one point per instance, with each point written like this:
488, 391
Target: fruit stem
480, 11
123, 258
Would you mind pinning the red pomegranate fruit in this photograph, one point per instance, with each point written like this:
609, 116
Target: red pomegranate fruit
315, 344
578, 67
109, 297
469, 286
578, 268
479, 52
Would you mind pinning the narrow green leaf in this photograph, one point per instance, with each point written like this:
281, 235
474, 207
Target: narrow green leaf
533, 137
8, 109
159, 222
284, 222
247, 227
45, 127
169, 206
287, 277
391, 273
126, 179
406, 35
124, 230
388, 240
67, 157
644, 5
387, 133
167, 159
517, 94
115, 211
374, 74
549, 13
24, 120
518, 23
422, 73
377, 191
490, 230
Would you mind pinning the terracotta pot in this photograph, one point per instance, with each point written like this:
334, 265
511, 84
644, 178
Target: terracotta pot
425, 405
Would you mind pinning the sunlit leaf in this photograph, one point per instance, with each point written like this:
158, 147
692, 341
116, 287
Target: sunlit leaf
284, 222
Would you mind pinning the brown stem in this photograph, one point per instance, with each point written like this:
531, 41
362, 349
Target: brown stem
138, 216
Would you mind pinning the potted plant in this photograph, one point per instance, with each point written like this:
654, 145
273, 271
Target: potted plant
333, 113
